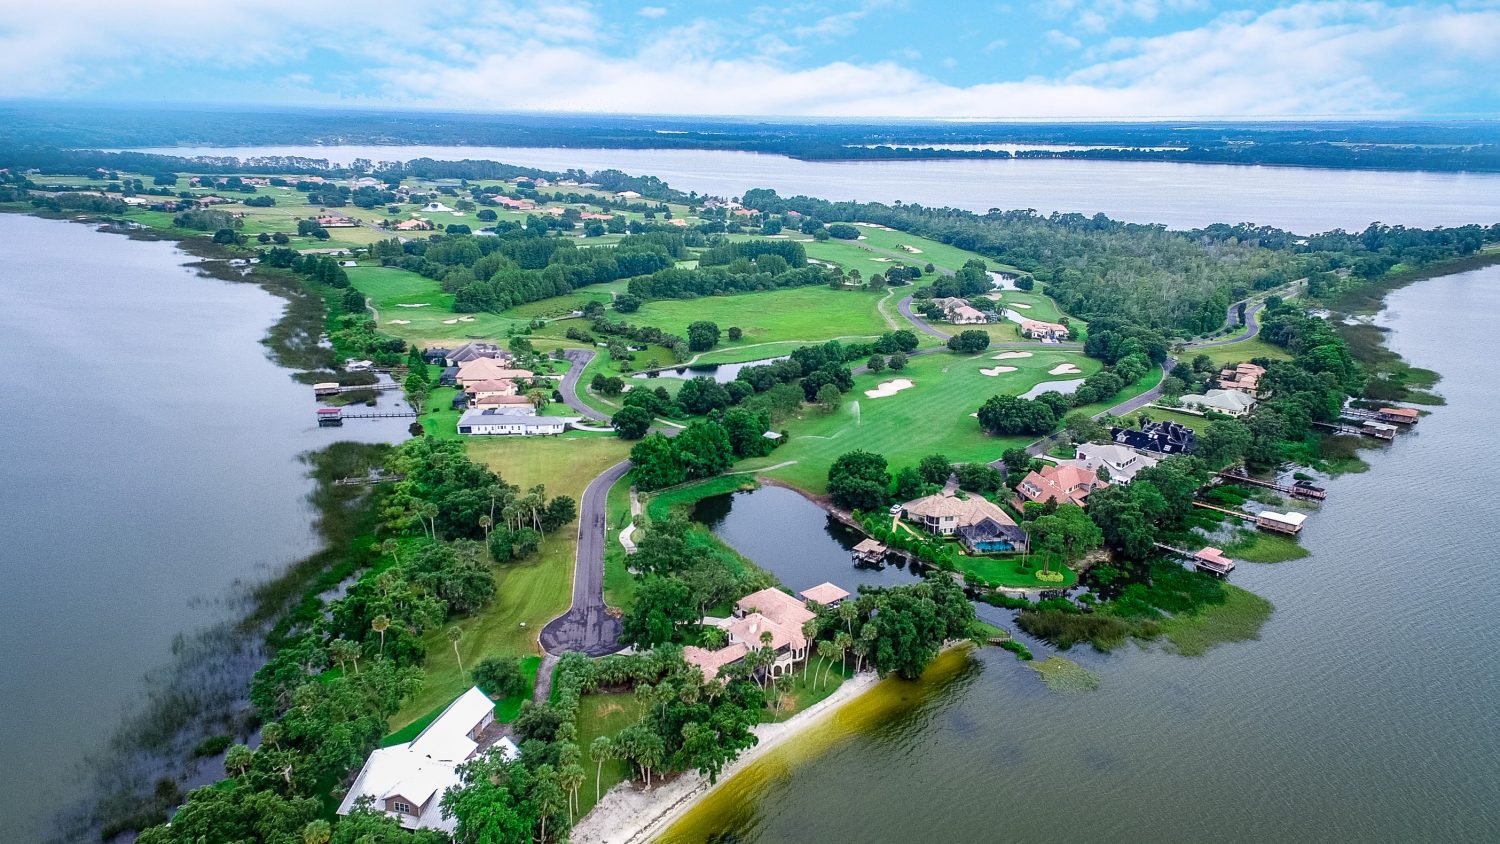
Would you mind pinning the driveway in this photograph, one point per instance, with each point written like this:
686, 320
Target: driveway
586, 627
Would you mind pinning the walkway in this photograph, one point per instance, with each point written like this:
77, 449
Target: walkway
629, 531
587, 627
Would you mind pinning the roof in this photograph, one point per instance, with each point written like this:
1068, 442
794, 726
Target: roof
865, 546
1213, 555
1231, 401
502, 399
424, 768
1405, 412
966, 511
827, 593
777, 606
477, 416
487, 369
711, 661
1123, 462
1064, 484
1287, 518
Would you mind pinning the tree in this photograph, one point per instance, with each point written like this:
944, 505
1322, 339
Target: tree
1010, 415
735, 333
602, 748
631, 422
858, 480
897, 362
1069, 531
935, 469
455, 634
702, 335
828, 397
702, 450
970, 340
500, 676
380, 624
626, 303
876, 363
656, 463
1223, 441
909, 484
661, 605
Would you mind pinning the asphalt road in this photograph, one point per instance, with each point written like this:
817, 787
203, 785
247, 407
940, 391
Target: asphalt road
569, 387
922, 325
586, 627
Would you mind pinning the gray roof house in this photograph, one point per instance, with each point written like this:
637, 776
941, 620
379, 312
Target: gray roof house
1227, 402
1122, 462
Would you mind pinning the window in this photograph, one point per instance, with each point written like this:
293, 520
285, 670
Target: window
403, 808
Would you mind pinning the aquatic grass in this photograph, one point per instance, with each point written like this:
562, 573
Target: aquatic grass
1254, 546
1238, 619
1064, 676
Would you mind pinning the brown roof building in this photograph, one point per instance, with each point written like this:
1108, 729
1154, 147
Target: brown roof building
1063, 484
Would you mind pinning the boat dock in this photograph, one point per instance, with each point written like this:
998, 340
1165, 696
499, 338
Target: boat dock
333, 417
1300, 489
1209, 560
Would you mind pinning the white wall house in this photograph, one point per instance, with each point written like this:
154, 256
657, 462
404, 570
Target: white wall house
479, 422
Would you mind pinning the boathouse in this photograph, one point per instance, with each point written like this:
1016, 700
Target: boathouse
1281, 522
869, 551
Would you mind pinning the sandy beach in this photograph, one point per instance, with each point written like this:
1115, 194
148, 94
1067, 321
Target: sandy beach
629, 813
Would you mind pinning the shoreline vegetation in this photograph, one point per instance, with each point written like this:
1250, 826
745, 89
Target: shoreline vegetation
435, 545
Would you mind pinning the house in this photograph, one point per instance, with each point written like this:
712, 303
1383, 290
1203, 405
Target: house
827, 594
326, 388
337, 221
1399, 415
438, 355
1281, 522
768, 618
979, 523
515, 204
488, 369
959, 311
1047, 332
1244, 377
491, 423
512, 405
449, 377
1063, 484
407, 781
474, 351
415, 224
1121, 462
1380, 430
479, 389
627, 195
1157, 437
1234, 403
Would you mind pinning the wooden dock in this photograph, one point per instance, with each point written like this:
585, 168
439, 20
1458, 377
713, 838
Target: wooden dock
369, 479
1209, 560
1238, 514
356, 388
1337, 429
1301, 489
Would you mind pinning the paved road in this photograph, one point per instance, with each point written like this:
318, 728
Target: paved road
586, 627
1252, 317
922, 325
569, 387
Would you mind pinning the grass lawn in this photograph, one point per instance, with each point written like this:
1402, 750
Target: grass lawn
1238, 352
528, 593
1238, 619
805, 692
602, 714
931, 416
811, 314
1038, 307
1008, 571
388, 288
506, 709
619, 583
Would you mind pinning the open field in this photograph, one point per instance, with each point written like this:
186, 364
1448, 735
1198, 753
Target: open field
812, 314
932, 416
528, 593
602, 714
1008, 571
1238, 352
388, 289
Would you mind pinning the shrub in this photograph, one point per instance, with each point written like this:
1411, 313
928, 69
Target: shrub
500, 676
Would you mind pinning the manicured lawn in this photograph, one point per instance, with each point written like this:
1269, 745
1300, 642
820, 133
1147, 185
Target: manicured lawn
506, 709
931, 416
528, 593
619, 583
1238, 352
1238, 619
1039, 307
804, 691
434, 324
938, 253
812, 314
602, 714
1009, 571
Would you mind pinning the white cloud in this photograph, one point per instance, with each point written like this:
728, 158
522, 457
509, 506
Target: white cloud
1326, 57
652, 11
1062, 40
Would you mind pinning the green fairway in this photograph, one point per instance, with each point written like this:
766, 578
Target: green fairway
931, 416
434, 323
811, 314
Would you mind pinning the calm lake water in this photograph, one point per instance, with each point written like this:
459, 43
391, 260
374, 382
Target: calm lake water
1367, 710
152, 465
1179, 195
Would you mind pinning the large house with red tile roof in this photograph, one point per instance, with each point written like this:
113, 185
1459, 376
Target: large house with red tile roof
1063, 484
769, 618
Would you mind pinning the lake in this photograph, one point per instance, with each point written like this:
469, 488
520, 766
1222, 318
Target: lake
1367, 711
1302, 200
152, 468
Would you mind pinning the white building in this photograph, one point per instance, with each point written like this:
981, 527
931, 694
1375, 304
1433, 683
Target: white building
1228, 402
479, 422
1123, 463
407, 781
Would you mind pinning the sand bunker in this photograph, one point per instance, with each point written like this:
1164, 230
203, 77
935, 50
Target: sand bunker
1064, 369
418, 305
465, 319
398, 322
882, 260
993, 371
888, 388
912, 249
1021, 306
1010, 355
450, 322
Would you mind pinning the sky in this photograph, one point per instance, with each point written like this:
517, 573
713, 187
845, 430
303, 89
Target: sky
790, 58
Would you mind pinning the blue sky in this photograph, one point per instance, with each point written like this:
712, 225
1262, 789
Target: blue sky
823, 58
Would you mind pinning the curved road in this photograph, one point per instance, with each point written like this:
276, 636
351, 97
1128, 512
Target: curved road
569, 387
922, 325
587, 627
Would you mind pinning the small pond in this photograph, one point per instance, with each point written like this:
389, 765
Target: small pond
722, 373
1066, 387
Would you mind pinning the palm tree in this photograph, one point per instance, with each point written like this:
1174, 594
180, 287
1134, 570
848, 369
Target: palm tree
826, 650
485, 523
602, 748
430, 511
238, 759
843, 642
317, 832
571, 775
847, 613
810, 632
454, 635
380, 624
392, 548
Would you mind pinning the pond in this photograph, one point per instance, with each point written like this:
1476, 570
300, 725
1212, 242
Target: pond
722, 373
1066, 387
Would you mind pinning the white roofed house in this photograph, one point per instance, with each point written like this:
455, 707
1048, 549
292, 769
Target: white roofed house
498, 422
1121, 461
1228, 402
407, 781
